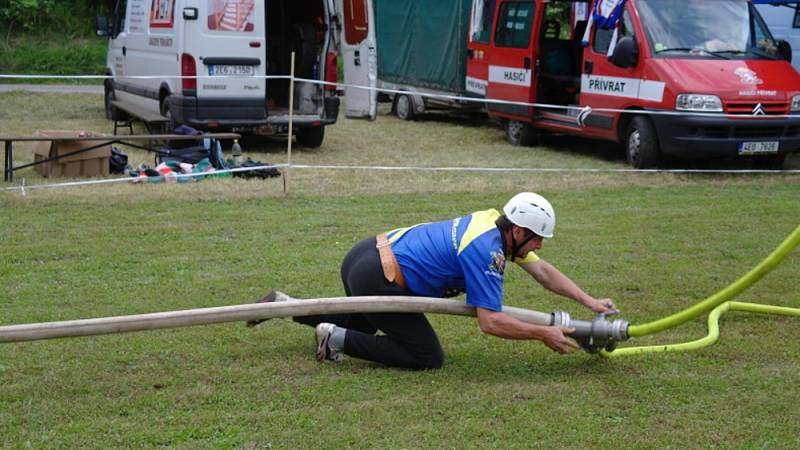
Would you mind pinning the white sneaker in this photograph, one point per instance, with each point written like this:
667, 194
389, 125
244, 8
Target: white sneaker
324, 352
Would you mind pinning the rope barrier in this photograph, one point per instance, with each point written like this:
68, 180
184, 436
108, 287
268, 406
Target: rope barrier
417, 169
576, 108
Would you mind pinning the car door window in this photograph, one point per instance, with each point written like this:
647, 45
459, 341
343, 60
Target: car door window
119, 18
514, 25
482, 20
356, 26
602, 37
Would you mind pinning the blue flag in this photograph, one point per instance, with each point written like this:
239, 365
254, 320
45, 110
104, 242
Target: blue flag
605, 14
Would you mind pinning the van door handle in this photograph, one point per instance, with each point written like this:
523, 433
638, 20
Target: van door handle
357, 58
124, 50
588, 67
527, 62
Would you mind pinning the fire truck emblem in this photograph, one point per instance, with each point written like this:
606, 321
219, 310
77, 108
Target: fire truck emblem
759, 110
747, 76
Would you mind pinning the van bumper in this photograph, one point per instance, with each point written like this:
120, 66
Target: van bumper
218, 114
689, 136
228, 113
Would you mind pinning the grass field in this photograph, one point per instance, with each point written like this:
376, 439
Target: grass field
655, 243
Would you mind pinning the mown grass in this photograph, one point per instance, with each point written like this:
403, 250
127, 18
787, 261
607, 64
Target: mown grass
656, 243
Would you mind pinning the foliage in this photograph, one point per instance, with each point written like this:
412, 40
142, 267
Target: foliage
54, 57
71, 18
27, 14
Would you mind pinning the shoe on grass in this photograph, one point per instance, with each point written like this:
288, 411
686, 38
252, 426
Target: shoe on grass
269, 298
324, 351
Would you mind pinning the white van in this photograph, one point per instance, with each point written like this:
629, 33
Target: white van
202, 63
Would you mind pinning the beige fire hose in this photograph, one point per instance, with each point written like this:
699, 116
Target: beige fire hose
284, 306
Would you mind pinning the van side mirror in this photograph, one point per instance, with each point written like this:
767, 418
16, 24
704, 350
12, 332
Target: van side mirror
785, 50
101, 26
626, 53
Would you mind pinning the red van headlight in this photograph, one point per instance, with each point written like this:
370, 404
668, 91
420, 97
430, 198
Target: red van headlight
698, 102
796, 103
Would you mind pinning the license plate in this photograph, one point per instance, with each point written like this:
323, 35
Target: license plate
758, 148
216, 70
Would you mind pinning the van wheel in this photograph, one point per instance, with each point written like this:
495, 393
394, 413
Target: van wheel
520, 133
641, 145
310, 137
404, 107
113, 113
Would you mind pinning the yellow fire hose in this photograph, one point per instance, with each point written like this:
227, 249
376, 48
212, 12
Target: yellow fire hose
713, 329
718, 304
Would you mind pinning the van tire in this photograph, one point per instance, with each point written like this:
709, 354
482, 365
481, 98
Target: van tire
520, 133
310, 137
404, 107
113, 113
641, 144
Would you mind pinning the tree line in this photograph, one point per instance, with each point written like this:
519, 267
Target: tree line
71, 18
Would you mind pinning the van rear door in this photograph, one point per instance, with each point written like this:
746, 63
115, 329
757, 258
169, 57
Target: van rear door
359, 56
227, 44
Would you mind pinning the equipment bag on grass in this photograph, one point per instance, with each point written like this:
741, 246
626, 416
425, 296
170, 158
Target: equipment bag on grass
207, 148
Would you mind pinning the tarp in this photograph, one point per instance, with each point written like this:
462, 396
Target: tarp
423, 42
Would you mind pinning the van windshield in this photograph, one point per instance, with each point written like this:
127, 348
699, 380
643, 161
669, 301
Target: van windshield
729, 29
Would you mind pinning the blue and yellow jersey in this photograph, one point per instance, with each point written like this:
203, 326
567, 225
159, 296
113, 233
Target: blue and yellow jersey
458, 255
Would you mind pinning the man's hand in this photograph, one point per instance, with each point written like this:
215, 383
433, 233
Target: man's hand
502, 325
556, 338
551, 278
603, 305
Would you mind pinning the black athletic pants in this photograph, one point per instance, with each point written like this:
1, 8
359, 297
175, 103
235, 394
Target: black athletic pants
408, 340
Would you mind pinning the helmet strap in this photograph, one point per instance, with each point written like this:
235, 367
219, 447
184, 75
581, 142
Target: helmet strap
515, 246
506, 234
510, 245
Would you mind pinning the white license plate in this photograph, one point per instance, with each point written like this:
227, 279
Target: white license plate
758, 148
219, 70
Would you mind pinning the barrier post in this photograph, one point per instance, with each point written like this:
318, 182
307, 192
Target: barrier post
291, 116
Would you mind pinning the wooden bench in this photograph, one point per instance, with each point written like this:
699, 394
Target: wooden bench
135, 112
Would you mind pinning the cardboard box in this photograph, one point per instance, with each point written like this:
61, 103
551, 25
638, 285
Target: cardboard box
93, 163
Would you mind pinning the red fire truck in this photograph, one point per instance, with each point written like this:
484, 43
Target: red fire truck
671, 57
687, 78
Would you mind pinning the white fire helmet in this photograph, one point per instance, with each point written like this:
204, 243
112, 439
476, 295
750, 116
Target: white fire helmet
531, 211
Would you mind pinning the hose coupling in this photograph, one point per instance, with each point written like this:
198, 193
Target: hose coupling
595, 335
